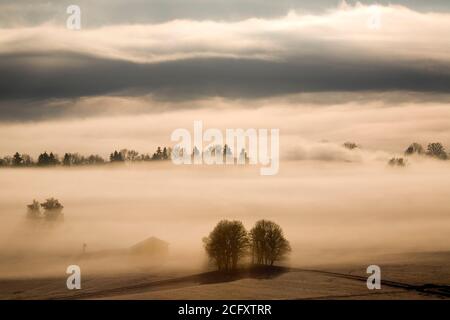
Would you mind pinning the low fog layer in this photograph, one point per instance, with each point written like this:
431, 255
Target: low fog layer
330, 211
335, 204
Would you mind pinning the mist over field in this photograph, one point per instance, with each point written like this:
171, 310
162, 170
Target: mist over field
334, 204
331, 211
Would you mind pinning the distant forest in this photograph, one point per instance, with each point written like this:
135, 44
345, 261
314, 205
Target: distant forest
75, 159
434, 150
47, 159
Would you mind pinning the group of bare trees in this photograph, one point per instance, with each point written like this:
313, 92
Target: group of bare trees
397, 162
52, 210
225, 154
434, 149
229, 242
75, 159
133, 156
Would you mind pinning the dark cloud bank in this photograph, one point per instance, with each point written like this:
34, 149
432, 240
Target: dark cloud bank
63, 75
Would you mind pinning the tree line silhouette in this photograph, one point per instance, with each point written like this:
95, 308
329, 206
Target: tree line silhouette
75, 159
229, 243
434, 150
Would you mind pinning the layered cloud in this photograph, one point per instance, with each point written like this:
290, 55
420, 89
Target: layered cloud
110, 12
376, 31
351, 48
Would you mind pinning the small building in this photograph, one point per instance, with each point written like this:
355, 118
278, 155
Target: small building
150, 247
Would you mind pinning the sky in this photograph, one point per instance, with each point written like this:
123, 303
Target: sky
154, 58
110, 12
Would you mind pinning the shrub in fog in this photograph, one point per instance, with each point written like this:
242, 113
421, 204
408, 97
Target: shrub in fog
34, 210
350, 145
52, 209
397, 162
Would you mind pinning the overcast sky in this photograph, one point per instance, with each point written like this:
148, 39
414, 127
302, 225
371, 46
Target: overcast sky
107, 12
195, 49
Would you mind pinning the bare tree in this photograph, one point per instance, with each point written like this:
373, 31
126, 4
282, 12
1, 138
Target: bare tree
227, 244
436, 150
414, 148
268, 243
27, 160
129, 155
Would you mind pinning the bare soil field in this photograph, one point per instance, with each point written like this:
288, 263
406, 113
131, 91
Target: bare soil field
408, 276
